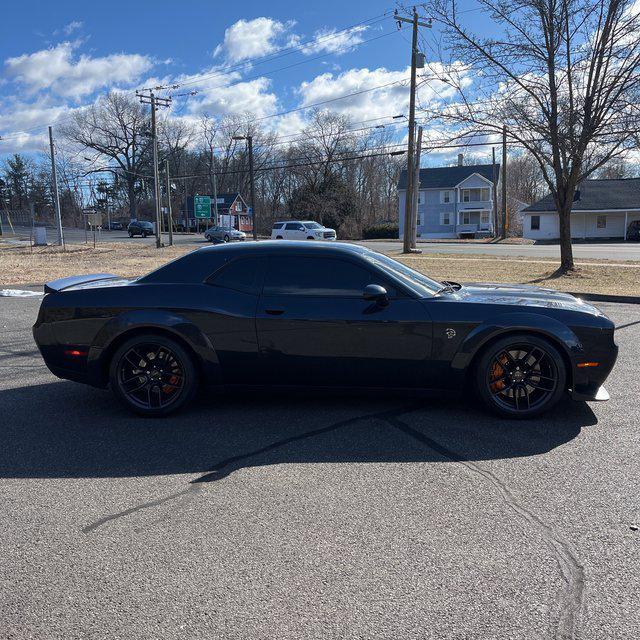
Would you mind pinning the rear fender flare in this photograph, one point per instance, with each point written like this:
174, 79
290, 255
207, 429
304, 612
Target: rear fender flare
153, 319
538, 324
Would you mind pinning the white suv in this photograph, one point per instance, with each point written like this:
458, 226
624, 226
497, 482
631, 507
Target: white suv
301, 230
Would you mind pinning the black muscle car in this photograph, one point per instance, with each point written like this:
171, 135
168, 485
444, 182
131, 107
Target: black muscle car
320, 315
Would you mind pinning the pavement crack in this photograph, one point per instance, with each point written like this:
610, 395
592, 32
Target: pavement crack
570, 600
225, 467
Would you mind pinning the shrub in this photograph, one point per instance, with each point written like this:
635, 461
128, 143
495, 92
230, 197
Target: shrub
380, 231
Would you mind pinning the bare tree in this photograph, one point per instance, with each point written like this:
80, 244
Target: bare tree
116, 127
562, 76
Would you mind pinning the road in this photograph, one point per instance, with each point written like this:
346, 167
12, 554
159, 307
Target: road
617, 251
266, 516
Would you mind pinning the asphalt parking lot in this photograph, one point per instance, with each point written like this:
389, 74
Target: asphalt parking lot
314, 516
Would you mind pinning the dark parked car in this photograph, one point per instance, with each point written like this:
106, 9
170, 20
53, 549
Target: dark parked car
320, 314
633, 230
113, 226
140, 228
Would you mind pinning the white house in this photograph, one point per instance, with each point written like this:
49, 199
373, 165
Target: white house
601, 209
453, 201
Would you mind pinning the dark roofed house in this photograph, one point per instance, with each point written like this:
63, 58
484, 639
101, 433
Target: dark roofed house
233, 211
453, 201
601, 209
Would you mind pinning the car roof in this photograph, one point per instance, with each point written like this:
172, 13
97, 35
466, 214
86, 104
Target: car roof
287, 246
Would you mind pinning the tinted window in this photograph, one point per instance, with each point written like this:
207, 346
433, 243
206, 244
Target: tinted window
317, 277
278, 225
239, 275
294, 226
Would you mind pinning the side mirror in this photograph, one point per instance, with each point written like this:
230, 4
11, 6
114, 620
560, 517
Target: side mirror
375, 293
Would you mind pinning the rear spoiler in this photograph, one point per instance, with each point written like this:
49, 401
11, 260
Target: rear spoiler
72, 281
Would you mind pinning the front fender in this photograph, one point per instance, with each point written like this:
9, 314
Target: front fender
540, 324
160, 319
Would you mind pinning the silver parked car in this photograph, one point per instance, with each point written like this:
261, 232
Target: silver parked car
223, 234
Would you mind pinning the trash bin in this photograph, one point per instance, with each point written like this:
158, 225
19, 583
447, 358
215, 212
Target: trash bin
40, 237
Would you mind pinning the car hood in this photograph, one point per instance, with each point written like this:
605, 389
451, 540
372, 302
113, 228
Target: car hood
523, 295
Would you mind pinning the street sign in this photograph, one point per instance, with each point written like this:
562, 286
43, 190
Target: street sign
202, 206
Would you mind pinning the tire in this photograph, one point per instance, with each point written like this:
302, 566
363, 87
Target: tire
520, 376
144, 234
226, 238
279, 238
148, 389
310, 238
130, 234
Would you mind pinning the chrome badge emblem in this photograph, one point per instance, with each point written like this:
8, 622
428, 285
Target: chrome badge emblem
451, 333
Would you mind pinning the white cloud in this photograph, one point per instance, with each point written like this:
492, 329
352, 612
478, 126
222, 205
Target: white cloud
331, 41
57, 70
230, 97
68, 29
251, 38
391, 98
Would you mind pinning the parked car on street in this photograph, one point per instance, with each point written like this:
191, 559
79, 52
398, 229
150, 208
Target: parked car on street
140, 228
317, 314
633, 230
301, 230
224, 234
113, 226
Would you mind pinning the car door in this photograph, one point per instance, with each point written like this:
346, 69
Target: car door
315, 328
294, 231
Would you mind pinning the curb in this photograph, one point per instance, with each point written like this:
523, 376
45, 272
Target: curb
603, 297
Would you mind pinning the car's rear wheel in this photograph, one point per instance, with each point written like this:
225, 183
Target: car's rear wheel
520, 376
130, 234
226, 238
279, 238
153, 375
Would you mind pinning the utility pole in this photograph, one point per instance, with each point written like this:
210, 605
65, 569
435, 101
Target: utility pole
415, 23
156, 103
215, 198
416, 193
54, 189
495, 193
169, 214
249, 140
505, 219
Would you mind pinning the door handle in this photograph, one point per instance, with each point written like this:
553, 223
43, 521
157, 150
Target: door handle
274, 312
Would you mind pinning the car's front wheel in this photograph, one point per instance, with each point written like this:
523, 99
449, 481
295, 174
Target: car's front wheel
226, 238
153, 375
520, 376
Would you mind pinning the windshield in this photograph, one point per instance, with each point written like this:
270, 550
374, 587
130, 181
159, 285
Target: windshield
312, 225
415, 280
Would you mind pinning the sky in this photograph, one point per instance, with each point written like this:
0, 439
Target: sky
251, 58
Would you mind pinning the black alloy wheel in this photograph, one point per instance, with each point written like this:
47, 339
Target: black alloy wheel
153, 375
521, 376
226, 238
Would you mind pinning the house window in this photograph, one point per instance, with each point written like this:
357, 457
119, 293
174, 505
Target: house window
238, 206
475, 195
484, 217
535, 223
466, 217
601, 222
422, 196
445, 197
445, 218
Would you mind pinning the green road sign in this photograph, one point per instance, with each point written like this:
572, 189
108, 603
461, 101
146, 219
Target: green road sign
202, 206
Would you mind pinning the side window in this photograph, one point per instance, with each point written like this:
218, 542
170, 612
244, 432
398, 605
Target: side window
309, 276
239, 275
535, 223
278, 225
292, 226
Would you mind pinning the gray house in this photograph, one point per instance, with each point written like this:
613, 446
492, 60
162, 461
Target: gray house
453, 202
601, 209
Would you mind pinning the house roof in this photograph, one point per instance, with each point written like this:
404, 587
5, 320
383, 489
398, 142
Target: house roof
223, 207
598, 195
449, 177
